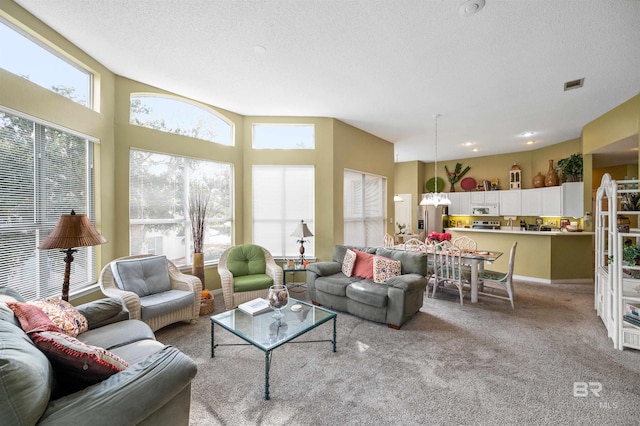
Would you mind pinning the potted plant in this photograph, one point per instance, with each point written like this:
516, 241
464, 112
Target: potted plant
631, 254
571, 168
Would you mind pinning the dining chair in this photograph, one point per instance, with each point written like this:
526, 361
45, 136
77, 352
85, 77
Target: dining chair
414, 244
489, 281
465, 243
447, 268
388, 241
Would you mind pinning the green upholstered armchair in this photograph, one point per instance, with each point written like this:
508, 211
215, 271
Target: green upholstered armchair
246, 272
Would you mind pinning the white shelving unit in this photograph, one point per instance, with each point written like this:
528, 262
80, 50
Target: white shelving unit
615, 285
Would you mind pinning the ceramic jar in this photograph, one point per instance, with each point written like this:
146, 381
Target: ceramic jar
538, 180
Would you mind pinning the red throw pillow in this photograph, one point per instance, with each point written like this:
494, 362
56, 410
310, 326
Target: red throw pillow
364, 265
32, 318
75, 363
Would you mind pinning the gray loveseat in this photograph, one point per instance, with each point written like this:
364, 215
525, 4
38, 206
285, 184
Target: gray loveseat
393, 302
154, 390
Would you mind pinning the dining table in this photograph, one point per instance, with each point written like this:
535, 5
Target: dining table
475, 259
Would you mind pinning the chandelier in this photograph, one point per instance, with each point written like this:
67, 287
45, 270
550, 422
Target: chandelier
435, 198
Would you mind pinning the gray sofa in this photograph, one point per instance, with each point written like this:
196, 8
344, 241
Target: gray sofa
393, 302
154, 390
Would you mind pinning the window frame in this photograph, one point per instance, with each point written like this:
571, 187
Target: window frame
180, 100
59, 54
184, 221
283, 125
368, 240
49, 265
287, 223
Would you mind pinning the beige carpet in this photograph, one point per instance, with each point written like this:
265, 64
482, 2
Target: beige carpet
478, 364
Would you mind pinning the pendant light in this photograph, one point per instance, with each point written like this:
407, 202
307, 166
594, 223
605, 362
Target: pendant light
435, 198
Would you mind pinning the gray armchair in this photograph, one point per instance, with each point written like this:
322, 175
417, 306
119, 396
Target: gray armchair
152, 289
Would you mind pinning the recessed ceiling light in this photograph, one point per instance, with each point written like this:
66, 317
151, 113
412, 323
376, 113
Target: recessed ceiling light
527, 134
259, 49
575, 84
469, 143
531, 142
471, 6
475, 150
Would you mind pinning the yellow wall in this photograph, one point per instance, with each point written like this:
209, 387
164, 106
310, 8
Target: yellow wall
498, 166
620, 123
363, 152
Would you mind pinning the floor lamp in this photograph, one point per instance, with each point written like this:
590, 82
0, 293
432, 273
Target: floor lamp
72, 230
301, 232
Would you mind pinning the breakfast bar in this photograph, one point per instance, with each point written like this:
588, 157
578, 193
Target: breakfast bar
543, 256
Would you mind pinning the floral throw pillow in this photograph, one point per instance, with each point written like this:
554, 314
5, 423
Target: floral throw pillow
64, 315
385, 268
348, 262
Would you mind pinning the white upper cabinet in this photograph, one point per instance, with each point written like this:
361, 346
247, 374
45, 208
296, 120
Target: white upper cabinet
485, 197
573, 199
460, 203
511, 202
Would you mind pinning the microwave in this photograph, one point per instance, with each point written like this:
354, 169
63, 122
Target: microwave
484, 210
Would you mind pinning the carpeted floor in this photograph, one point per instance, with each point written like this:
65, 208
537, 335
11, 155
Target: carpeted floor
478, 364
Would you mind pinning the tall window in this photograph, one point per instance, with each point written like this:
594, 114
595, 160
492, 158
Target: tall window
283, 136
282, 197
159, 189
364, 208
31, 59
44, 172
171, 115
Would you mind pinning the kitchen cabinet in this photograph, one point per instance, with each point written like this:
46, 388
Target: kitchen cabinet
460, 203
485, 197
573, 199
552, 201
511, 202
532, 202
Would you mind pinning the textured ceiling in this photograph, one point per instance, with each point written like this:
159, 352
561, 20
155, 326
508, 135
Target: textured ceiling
385, 66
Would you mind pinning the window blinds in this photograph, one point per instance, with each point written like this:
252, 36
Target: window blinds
44, 172
282, 197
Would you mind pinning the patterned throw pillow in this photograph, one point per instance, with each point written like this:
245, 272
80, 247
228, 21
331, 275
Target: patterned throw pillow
85, 364
385, 268
348, 262
64, 315
32, 318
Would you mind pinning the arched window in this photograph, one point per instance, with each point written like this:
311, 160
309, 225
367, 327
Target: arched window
171, 115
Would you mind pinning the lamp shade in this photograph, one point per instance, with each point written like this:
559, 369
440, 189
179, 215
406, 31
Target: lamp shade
397, 199
72, 230
302, 230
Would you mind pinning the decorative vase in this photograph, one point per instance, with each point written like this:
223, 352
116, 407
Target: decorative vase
552, 176
538, 180
197, 270
278, 297
453, 187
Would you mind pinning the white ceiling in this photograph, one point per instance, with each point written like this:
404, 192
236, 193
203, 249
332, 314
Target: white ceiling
384, 66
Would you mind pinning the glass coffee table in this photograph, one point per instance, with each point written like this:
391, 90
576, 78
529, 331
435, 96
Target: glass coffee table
266, 333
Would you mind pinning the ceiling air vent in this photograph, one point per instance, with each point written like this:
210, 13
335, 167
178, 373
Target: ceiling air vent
575, 84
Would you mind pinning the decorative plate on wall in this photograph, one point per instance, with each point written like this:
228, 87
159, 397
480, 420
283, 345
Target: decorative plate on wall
468, 184
430, 186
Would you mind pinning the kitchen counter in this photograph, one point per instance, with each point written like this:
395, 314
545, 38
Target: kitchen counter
505, 230
542, 256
